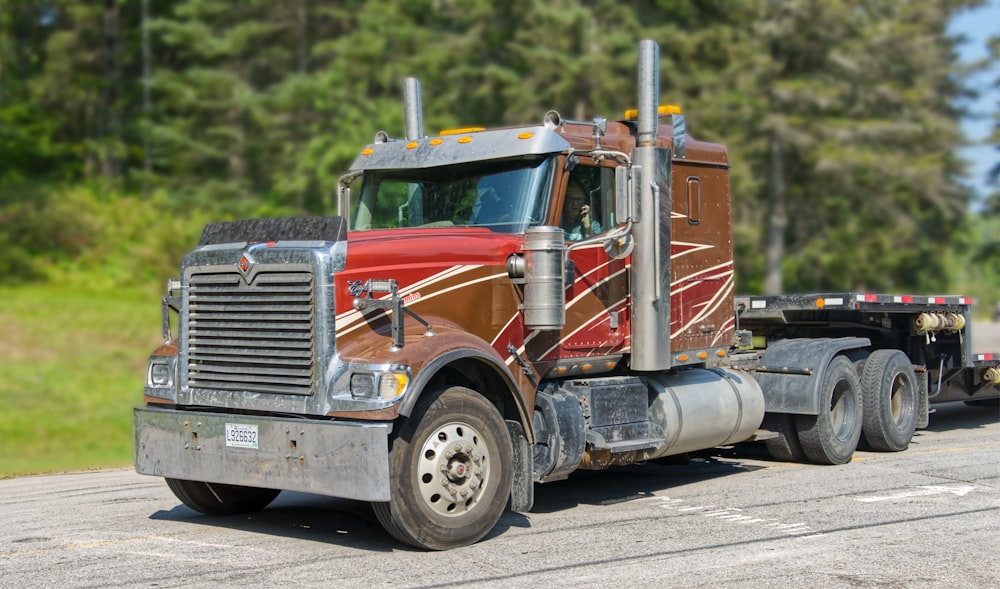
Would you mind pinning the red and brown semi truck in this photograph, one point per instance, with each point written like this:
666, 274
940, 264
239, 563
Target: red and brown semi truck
463, 331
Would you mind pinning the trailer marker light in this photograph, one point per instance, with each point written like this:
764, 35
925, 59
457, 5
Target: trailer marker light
412, 145
367, 151
526, 135
702, 355
610, 365
682, 358
586, 367
820, 303
721, 353
466, 139
435, 142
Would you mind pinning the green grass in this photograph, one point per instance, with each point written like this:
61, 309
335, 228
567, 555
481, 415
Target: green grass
72, 367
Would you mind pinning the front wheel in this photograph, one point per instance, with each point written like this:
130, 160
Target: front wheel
219, 499
832, 436
451, 472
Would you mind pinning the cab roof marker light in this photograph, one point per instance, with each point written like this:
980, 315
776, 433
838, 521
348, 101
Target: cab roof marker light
435, 142
463, 131
632, 114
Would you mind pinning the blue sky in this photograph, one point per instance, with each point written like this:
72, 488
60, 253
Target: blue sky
977, 26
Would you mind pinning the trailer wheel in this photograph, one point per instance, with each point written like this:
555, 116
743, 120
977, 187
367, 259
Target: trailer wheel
451, 472
889, 390
786, 445
832, 436
219, 499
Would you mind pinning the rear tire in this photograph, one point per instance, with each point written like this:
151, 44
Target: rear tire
786, 446
832, 436
451, 468
889, 389
219, 499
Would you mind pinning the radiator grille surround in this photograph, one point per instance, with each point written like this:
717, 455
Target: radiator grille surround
253, 335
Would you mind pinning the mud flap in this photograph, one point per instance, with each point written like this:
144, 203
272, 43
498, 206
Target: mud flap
522, 489
923, 403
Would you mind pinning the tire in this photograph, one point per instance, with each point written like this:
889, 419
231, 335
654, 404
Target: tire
889, 390
451, 468
832, 436
219, 499
786, 446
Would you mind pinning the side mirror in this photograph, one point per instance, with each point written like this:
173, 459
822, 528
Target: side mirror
627, 183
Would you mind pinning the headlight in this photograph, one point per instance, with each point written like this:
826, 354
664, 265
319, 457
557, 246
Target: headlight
379, 385
363, 385
392, 385
160, 374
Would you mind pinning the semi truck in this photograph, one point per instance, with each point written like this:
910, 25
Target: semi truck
493, 309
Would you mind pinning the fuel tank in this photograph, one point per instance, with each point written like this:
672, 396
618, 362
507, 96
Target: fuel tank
703, 408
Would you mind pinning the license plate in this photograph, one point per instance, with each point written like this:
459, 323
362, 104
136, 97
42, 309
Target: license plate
241, 435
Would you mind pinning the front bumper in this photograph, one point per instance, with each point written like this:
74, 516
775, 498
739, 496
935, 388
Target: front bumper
340, 459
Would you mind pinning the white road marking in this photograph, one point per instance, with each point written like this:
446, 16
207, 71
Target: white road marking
736, 515
919, 492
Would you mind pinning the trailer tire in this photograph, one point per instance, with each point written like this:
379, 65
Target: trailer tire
832, 436
785, 446
889, 389
451, 469
220, 499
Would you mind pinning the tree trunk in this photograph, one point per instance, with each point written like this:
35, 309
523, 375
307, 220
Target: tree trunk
777, 216
111, 126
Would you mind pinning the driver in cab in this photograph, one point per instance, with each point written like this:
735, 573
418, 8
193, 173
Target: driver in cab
577, 223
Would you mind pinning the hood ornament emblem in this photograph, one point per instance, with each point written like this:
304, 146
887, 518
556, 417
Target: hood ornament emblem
245, 265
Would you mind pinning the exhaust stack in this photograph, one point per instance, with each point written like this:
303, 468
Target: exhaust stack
650, 285
413, 110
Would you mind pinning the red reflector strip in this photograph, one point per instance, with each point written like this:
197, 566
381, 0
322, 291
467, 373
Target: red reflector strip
936, 300
869, 298
982, 357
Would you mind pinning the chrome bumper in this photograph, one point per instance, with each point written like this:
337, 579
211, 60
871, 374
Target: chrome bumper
339, 459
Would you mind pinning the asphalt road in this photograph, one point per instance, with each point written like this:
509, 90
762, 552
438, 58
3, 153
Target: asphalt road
927, 517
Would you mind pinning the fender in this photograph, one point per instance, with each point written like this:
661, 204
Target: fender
791, 370
428, 355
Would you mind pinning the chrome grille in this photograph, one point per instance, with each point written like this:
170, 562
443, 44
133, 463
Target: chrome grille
255, 337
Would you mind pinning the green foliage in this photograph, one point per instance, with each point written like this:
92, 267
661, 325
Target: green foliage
81, 235
73, 367
839, 116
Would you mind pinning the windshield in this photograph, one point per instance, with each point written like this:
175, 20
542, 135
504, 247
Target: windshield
504, 196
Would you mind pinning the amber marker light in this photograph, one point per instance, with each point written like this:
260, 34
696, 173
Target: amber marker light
526, 135
664, 110
702, 355
448, 132
820, 303
435, 142
368, 151
466, 139
412, 145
